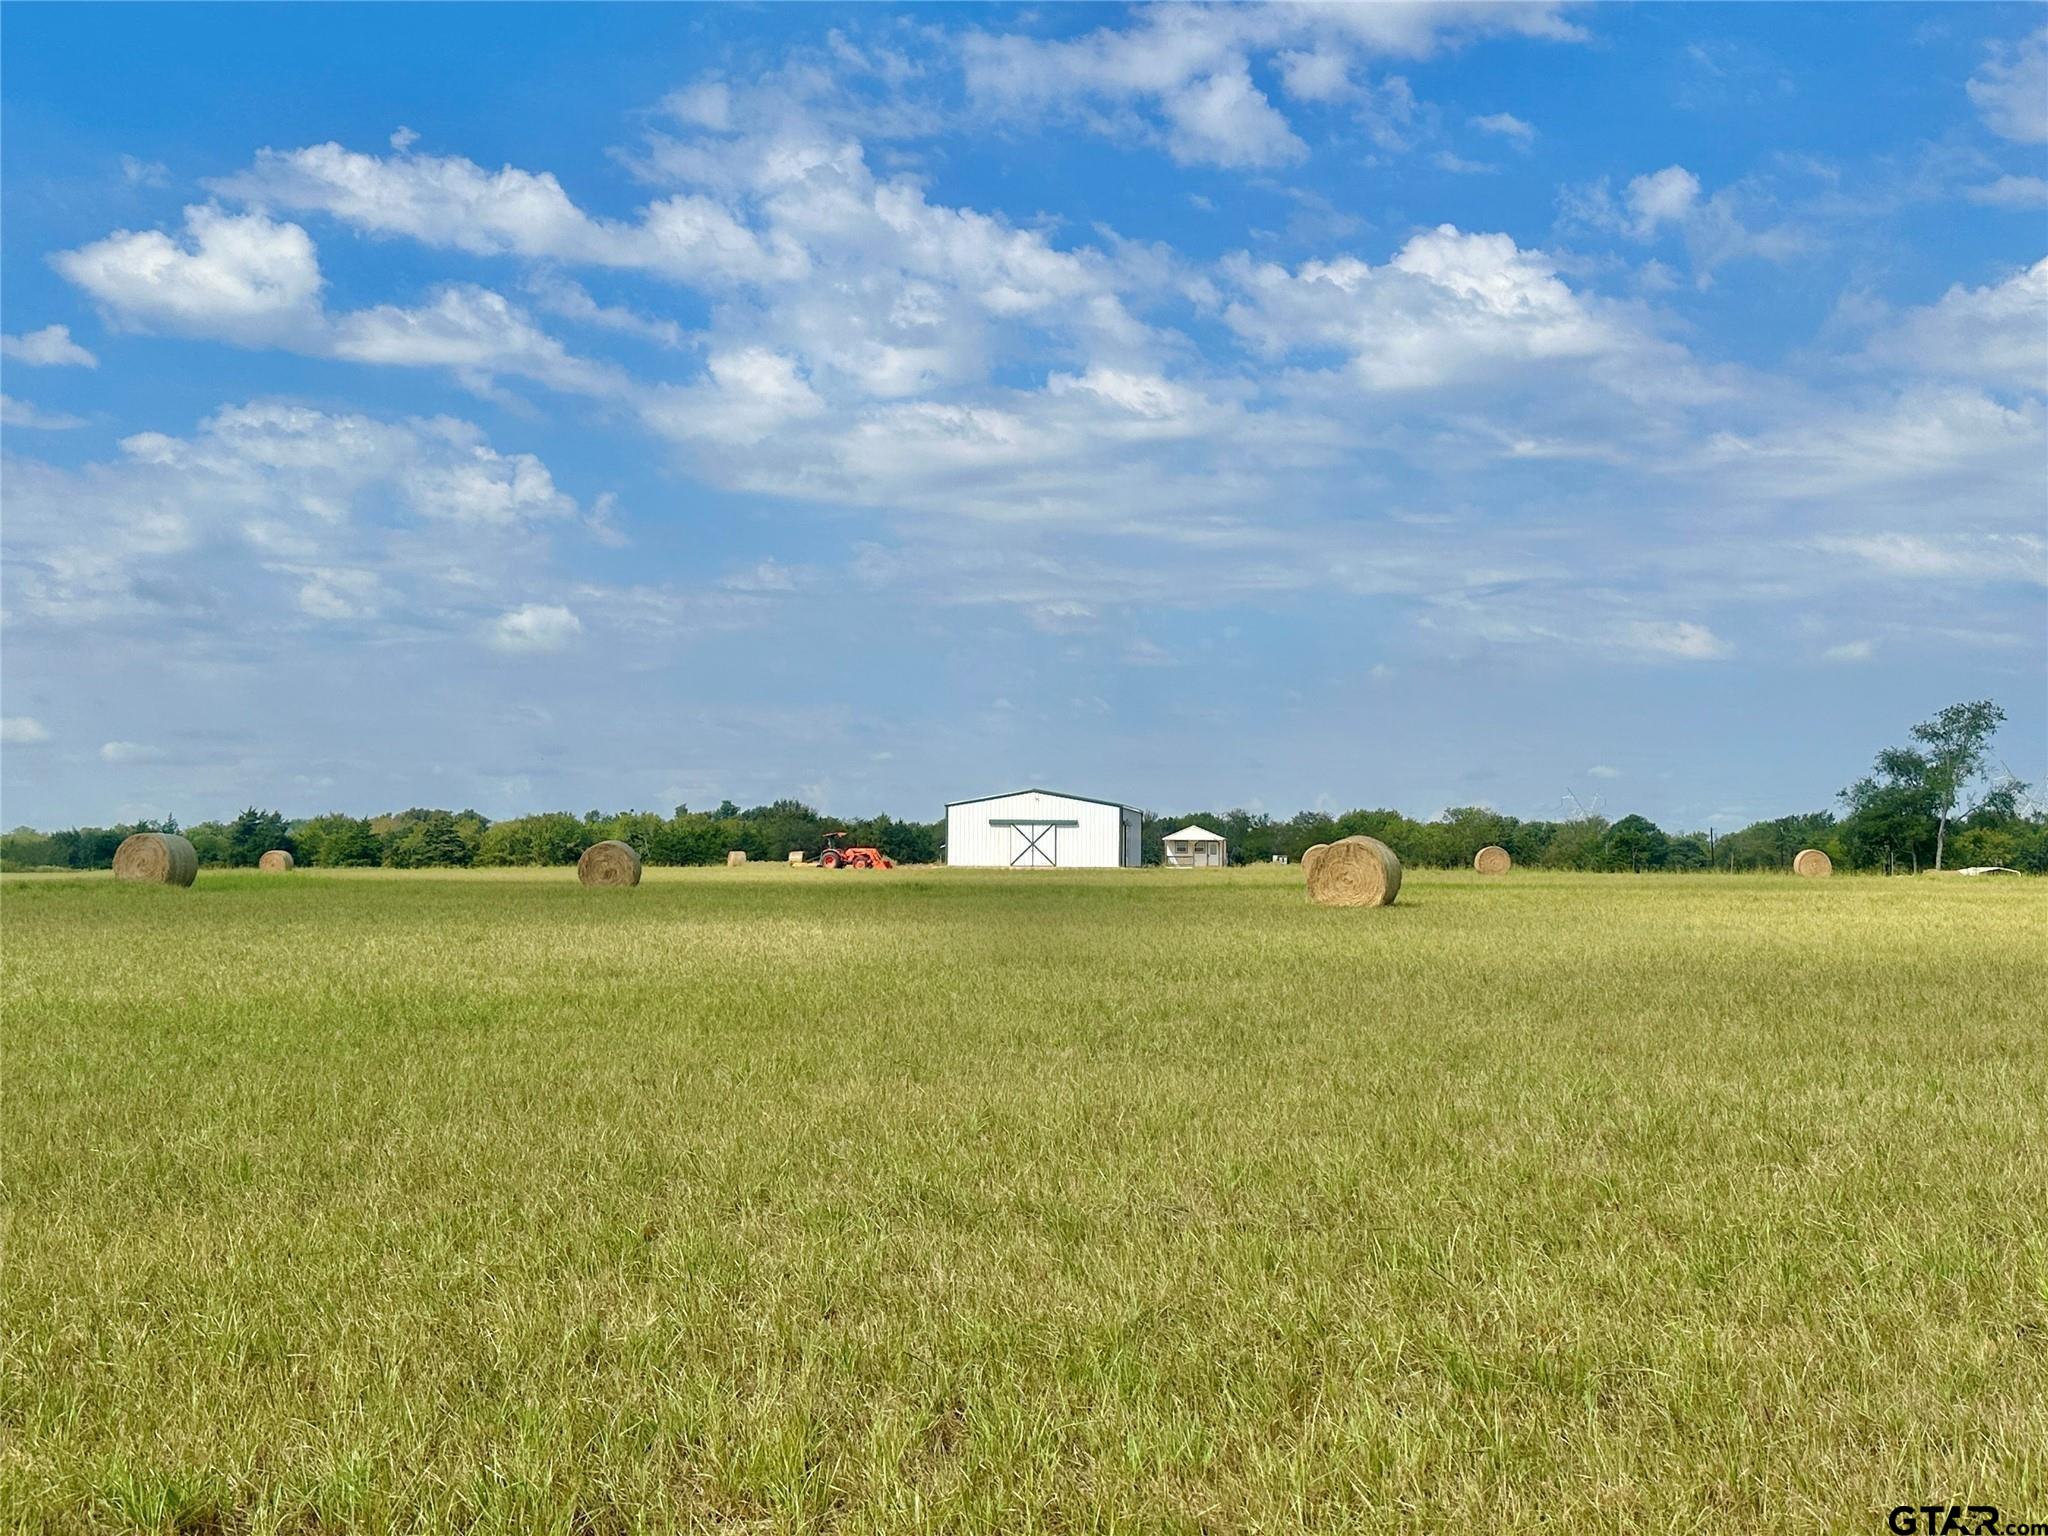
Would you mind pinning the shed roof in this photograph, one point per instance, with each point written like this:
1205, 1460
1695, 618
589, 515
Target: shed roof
1059, 794
1193, 834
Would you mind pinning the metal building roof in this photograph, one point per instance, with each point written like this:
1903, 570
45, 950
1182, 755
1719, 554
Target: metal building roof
1058, 794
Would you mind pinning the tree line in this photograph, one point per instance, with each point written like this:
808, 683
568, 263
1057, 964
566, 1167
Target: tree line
1929, 805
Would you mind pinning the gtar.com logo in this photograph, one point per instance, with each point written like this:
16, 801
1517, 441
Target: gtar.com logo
1958, 1520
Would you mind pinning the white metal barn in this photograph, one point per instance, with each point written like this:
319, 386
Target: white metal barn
1040, 829
1194, 847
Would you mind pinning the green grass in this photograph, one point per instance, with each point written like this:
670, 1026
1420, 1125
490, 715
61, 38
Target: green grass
946, 1201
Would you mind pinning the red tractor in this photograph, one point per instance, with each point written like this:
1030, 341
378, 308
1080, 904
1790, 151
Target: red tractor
836, 857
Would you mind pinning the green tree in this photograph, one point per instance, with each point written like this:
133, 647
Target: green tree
253, 834
1580, 843
1957, 743
338, 841
434, 841
1638, 842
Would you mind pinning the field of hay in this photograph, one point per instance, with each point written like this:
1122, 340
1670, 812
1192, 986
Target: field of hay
774, 1199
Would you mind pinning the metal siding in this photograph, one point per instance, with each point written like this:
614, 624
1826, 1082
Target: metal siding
1095, 843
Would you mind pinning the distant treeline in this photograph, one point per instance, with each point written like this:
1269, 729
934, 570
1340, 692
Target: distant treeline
423, 839
1931, 805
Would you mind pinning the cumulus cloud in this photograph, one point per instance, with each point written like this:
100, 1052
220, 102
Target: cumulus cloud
535, 627
1733, 224
247, 279
271, 500
776, 212
242, 277
22, 731
471, 330
51, 347
1996, 335
454, 203
2010, 89
1449, 307
1180, 76
1668, 196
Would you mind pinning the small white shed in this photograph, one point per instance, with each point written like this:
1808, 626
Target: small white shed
1041, 829
1194, 847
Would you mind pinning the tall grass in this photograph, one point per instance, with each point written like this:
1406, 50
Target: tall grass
952, 1201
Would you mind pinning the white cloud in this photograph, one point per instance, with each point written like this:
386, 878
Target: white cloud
280, 510
1850, 650
748, 394
456, 204
1733, 224
329, 593
572, 301
2010, 89
1668, 196
1995, 335
1180, 76
238, 276
1678, 638
129, 752
20, 413
1507, 125
2011, 192
475, 332
51, 347
254, 282
1603, 771
1449, 307
22, 731
535, 627
1223, 119
1934, 454
816, 258
1965, 557
1315, 74
144, 173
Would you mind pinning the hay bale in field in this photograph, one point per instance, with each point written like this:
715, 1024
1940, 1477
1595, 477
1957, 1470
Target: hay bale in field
277, 861
1813, 864
156, 858
736, 857
796, 855
1492, 860
610, 862
1309, 855
1354, 872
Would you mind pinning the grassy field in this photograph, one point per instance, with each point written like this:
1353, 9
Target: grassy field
948, 1201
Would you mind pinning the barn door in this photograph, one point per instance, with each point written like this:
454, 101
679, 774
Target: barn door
1034, 845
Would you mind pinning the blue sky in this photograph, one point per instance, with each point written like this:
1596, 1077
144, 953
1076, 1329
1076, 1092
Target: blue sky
1416, 406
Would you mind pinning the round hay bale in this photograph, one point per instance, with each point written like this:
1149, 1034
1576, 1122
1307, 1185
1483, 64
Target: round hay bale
1492, 860
1310, 854
156, 858
1813, 864
277, 861
735, 857
1355, 872
610, 862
